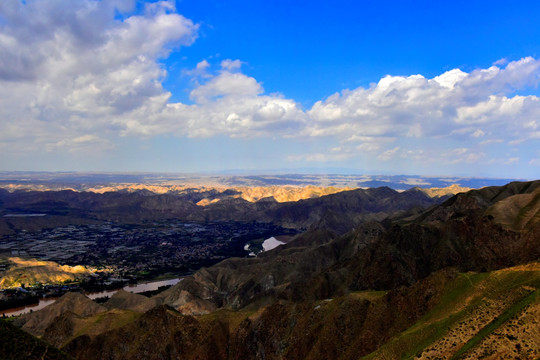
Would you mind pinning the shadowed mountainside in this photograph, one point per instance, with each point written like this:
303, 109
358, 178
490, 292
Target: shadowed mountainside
459, 232
16, 344
518, 212
76, 303
339, 212
444, 316
446, 283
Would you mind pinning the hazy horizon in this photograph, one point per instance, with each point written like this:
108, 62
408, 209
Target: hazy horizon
200, 86
164, 182
263, 172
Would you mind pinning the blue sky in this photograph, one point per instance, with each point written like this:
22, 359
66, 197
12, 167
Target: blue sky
393, 87
309, 50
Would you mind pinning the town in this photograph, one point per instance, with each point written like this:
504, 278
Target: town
122, 253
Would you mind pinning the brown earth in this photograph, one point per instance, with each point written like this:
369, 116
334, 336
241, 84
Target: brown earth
35, 323
439, 289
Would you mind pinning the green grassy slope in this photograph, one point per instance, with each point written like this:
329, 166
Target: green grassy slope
475, 311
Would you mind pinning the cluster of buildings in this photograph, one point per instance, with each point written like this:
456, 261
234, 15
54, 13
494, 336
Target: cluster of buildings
121, 253
144, 250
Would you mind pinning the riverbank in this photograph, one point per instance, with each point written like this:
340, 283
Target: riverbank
143, 287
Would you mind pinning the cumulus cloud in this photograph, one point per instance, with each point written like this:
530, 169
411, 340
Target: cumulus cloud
447, 107
86, 72
227, 84
417, 106
229, 64
68, 69
226, 102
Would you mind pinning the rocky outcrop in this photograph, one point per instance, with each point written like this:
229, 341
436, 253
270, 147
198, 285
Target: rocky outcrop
16, 344
341, 328
338, 212
35, 323
404, 283
459, 233
25, 271
69, 325
125, 300
161, 333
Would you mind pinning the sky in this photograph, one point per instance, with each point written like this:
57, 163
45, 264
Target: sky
367, 87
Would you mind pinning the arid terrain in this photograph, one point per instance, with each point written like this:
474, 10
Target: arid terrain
374, 274
269, 180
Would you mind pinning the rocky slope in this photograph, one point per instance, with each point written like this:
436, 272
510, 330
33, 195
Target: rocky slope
480, 315
518, 212
340, 211
125, 300
459, 233
447, 315
16, 344
161, 333
73, 303
446, 283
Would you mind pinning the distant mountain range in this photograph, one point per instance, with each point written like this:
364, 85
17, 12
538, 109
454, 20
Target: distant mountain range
340, 211
84, 181
378, 274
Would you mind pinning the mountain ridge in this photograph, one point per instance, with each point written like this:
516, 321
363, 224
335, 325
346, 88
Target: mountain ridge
377, 256
425, 284
66, 205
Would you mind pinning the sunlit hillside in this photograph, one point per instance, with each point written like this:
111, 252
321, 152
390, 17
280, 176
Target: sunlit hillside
31, 271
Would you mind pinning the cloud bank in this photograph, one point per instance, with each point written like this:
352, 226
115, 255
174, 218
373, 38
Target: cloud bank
81, 76
72, 70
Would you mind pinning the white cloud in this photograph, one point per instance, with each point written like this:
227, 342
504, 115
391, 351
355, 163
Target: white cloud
201, 70
478, 133
447, 108
388, 154
450, 78
75, 73
227, 84
492, 141
368, 147
418, 107
227, 102
69, 69
513, 160
81, 143
229, 64
501, 62
462, 155
320, 157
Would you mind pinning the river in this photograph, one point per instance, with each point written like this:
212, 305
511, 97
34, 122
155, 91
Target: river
134, 288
